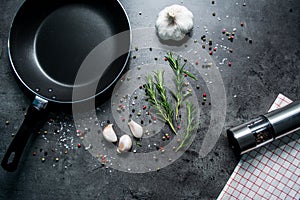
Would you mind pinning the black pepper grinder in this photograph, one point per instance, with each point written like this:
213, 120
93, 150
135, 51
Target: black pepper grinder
265, 128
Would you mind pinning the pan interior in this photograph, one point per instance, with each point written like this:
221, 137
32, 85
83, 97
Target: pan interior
66, 36
50, 39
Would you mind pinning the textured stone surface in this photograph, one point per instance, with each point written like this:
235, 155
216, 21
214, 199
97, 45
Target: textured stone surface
260, 70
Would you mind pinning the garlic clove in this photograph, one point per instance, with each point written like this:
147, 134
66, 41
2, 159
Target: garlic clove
136, 129
125, 144
109, 133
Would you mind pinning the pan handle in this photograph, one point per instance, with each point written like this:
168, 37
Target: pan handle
34, 114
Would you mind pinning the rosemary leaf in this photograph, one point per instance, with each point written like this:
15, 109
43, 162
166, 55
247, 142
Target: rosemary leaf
192, 125
157, 95
179, 78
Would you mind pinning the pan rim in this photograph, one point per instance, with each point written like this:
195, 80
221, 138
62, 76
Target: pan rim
76, 101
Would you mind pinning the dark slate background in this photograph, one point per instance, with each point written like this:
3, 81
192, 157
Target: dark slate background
261, 70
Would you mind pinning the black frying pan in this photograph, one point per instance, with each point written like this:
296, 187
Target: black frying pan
48, 42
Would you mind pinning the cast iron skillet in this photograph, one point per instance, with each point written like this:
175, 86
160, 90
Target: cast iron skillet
48, 41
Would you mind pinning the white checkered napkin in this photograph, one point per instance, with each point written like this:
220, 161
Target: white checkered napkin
270, 172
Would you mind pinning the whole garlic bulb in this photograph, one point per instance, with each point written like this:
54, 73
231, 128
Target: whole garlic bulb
174, 22
125, 143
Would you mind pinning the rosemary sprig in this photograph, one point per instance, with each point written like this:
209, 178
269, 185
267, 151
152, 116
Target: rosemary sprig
157, 96
179, 77
191, 126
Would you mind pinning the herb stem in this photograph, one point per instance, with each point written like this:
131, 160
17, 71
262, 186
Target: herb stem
179, 72
157, 96
191, 126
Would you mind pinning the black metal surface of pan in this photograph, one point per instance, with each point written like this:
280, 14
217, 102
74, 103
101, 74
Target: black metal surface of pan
48, 42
